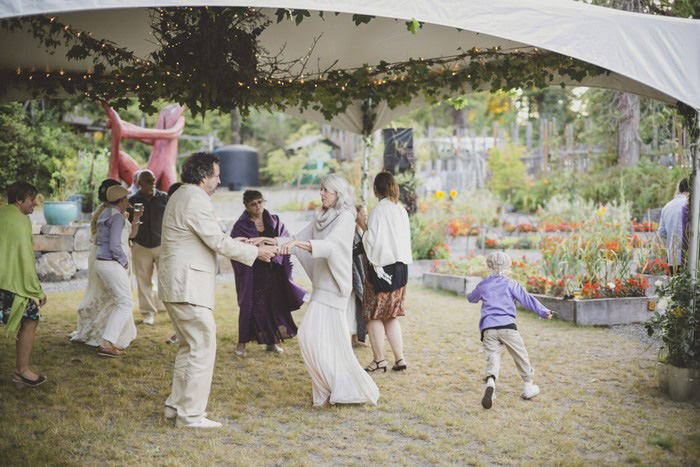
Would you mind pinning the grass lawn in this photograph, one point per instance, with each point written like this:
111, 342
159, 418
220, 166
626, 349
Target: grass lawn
598, 405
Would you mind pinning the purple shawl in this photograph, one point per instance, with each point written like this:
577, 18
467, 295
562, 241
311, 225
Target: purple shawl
294, 294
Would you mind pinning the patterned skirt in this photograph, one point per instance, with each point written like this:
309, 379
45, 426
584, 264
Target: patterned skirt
381, 305
6, 298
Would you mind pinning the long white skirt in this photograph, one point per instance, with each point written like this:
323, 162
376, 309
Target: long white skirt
336, 375
351, 315
94, 311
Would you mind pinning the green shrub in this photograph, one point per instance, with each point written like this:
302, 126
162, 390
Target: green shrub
646, 186
507, 170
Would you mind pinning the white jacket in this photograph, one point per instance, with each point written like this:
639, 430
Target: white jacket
190, 240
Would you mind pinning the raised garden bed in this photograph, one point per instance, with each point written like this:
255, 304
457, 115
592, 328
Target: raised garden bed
599, 311
651, 279
420, 266
458, 284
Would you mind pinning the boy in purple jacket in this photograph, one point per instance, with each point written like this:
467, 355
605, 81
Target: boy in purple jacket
497, 324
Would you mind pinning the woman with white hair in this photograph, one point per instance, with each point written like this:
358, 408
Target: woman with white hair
324, 249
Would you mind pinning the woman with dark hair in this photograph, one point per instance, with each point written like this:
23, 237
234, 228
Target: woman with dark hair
21, 295
387, 244
266, 292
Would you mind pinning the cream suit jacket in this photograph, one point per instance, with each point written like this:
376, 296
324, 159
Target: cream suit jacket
190, 240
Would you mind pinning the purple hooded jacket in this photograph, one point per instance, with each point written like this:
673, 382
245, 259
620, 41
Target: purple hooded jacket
294, 294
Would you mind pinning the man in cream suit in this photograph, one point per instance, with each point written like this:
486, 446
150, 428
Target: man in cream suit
190, 240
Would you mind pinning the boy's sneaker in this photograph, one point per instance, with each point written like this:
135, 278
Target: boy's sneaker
531, 390
489, 394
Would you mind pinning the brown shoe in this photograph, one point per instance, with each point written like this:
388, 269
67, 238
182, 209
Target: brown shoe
110, 352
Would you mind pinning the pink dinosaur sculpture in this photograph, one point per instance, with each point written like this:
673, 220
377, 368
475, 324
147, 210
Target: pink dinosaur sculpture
163, 138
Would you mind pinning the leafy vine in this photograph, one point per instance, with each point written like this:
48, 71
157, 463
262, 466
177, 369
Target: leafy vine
210, 59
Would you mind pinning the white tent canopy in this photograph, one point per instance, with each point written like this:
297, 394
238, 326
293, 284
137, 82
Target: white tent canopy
657, 57
648, 55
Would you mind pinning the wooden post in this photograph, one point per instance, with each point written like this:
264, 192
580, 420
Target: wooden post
695, 214
528, 136
364, 180
545, 146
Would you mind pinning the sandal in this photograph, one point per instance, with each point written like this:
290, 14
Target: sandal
369, 368
398, 367
111, 353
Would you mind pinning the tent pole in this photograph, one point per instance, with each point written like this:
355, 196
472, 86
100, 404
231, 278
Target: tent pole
367, 140
695, 204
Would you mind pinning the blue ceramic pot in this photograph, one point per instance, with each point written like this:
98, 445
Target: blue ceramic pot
60, 212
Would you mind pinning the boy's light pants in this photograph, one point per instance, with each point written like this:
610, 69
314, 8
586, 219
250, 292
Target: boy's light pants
494, 341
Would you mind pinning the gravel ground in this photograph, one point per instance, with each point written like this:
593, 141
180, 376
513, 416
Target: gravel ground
73, 285
636, 331
631, 331
76, 285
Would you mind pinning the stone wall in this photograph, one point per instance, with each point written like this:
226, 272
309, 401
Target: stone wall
61, 251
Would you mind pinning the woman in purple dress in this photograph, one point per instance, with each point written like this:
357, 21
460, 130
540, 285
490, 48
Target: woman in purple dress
266, 293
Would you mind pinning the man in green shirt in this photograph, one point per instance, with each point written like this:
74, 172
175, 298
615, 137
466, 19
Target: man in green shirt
21, 295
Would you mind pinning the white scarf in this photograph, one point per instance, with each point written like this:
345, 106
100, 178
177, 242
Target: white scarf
325, 217
388, 237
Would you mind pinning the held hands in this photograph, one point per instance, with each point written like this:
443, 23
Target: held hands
549, 314
266, 252
261, 241
287, 248
257, 240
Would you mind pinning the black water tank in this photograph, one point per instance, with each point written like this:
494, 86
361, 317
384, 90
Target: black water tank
239, 166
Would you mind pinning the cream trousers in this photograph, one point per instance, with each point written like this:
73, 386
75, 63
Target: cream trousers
194, 363
494, 341
116, 280
145, 263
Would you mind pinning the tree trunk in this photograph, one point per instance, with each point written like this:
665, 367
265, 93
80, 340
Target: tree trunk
628, 140
235, 127
628, 130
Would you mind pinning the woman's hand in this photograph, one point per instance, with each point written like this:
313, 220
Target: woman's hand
286, 249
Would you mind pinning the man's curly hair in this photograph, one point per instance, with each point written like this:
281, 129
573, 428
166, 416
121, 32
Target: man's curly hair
198, 166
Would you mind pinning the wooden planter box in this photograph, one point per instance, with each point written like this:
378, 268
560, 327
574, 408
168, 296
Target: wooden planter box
599, 311
681, 384
651, 291
461, 285
421, 266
